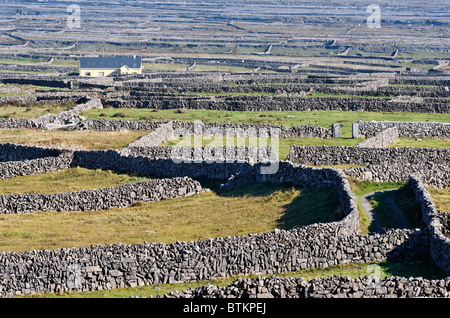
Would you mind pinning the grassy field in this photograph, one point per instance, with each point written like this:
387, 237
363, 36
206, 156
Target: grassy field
33, 110
318, 118
418, 267
282, 147
255, 208
67, 180
88, 140
441, 197
421, 143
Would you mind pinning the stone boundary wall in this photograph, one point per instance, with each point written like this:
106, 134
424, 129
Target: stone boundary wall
368, 286
123, 161
38, 81
439, 243
118, 125
279, 103
411, 80
208, 153
163, 133
13, 152
339, 155
253, 130
100, 199
101, 267
71, 115
406, 129
381, 164
13, 169
105, 267
21, 99
437, 176
61, 118
214, 129
381, 140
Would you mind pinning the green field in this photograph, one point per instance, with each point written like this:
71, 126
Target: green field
422, 143
67, 180
318, 118
256, 208
32, 110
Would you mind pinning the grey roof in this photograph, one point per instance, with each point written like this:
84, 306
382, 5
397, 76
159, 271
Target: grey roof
110, 62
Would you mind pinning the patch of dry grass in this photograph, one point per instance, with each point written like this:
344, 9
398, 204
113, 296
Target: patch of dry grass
67, 180
76, 140
441, 197
248, 209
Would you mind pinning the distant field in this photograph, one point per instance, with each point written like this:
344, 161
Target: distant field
318, 118
89, 140
421, 143
33, 110
255, 208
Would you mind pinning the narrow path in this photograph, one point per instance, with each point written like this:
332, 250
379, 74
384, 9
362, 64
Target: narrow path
402, 222
376, 226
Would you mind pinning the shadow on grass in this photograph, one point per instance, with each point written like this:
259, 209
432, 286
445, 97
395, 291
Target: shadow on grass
312, 205
417, 266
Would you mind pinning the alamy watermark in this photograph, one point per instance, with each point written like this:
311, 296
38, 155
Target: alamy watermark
374, 20
228, 145
74, 17
74, 277
374, 278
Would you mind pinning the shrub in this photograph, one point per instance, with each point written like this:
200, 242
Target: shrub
121, 115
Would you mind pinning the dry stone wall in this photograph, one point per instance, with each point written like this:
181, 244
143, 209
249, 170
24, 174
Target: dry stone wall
210, 129
380, 140
380, 164
406, 129
279, 103
100, 199
13, 169
44, 122
368, 286
13, 152
218, 154
439, 243
338, 155
163, 133
105, 267
437, 176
